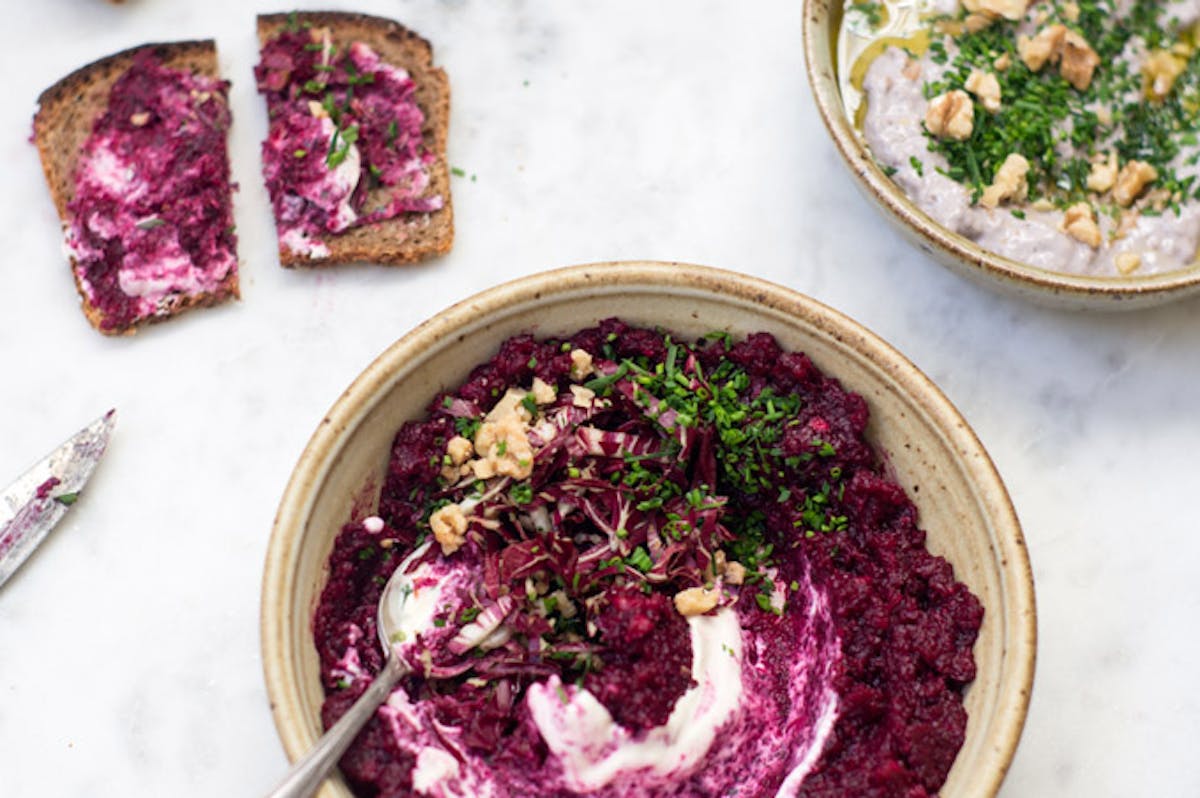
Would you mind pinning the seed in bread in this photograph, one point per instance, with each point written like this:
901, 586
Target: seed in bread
354, 159
134, 150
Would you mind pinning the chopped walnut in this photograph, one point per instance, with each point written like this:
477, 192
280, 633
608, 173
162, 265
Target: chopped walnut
582, 397
1079, 222
543, 392
503, 448
977, 22
581, 364
511, 404
985, 86
1056, 44
735, 573
1003, 62
696, 600
1045, 47
951, 115
1104, 173
449, 525
1132, 179
1079, 60
1009, 183
459, 449
139, 119
1128, 262
458, 452
1161, 68
1009, 9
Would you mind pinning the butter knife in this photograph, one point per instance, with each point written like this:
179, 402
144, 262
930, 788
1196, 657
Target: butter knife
31, 506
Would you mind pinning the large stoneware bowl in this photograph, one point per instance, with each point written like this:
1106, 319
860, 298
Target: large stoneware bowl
962, 501
822, 20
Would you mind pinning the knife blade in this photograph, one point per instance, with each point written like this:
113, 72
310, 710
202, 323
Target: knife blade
31, 506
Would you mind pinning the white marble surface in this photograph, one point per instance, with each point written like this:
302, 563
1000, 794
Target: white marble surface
129, 651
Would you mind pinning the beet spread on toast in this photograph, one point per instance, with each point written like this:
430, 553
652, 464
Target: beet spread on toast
354, 157
134, 150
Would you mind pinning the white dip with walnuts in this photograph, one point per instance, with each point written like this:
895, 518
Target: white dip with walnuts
1058, 134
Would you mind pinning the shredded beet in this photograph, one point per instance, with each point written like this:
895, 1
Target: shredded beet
602, 499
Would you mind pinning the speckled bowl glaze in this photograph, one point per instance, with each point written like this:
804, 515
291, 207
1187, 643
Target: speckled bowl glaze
822, 19
935, 455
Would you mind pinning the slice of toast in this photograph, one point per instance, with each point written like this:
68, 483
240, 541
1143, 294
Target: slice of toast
67, 114
411, 236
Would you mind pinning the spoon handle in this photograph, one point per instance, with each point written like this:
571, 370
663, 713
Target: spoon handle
308, 772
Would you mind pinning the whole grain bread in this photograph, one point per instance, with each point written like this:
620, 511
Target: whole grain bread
66, 114
409, 237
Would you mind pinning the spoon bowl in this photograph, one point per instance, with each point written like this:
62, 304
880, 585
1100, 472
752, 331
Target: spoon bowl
406, 609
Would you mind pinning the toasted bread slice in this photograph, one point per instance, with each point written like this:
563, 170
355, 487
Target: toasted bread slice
411, 236
65, 119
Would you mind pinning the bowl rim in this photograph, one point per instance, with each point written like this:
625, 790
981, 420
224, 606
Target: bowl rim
1020, 637
1076, 290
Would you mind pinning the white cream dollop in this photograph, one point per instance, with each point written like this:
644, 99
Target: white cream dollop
595, 750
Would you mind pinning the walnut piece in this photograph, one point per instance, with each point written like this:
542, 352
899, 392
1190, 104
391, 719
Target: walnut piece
977, 22
735, 573
986, 87
1079, 222
1128, 262
1132, 179
1009, 183
1009, 9
543, 392
511, 404
581, 364
582, 397
951, 115
1056, 44
459, 449
1043, 48
696, 600
449, 525
1003, 62
1104, 173
1079, 60
503, 448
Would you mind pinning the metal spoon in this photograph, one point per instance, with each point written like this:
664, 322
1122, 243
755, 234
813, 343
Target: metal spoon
405, 611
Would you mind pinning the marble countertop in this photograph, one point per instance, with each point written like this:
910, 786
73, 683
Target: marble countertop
680, 130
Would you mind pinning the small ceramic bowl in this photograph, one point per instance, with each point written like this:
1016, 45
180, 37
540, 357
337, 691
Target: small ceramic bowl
822, 20
962, 502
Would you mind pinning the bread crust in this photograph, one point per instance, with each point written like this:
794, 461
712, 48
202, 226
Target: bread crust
66, 114
410, 237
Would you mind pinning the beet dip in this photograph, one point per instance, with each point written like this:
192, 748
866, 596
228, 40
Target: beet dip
693, 578
345, 128
151, 218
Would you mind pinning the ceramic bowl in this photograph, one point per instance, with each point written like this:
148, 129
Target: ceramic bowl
822, 20
962, 501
